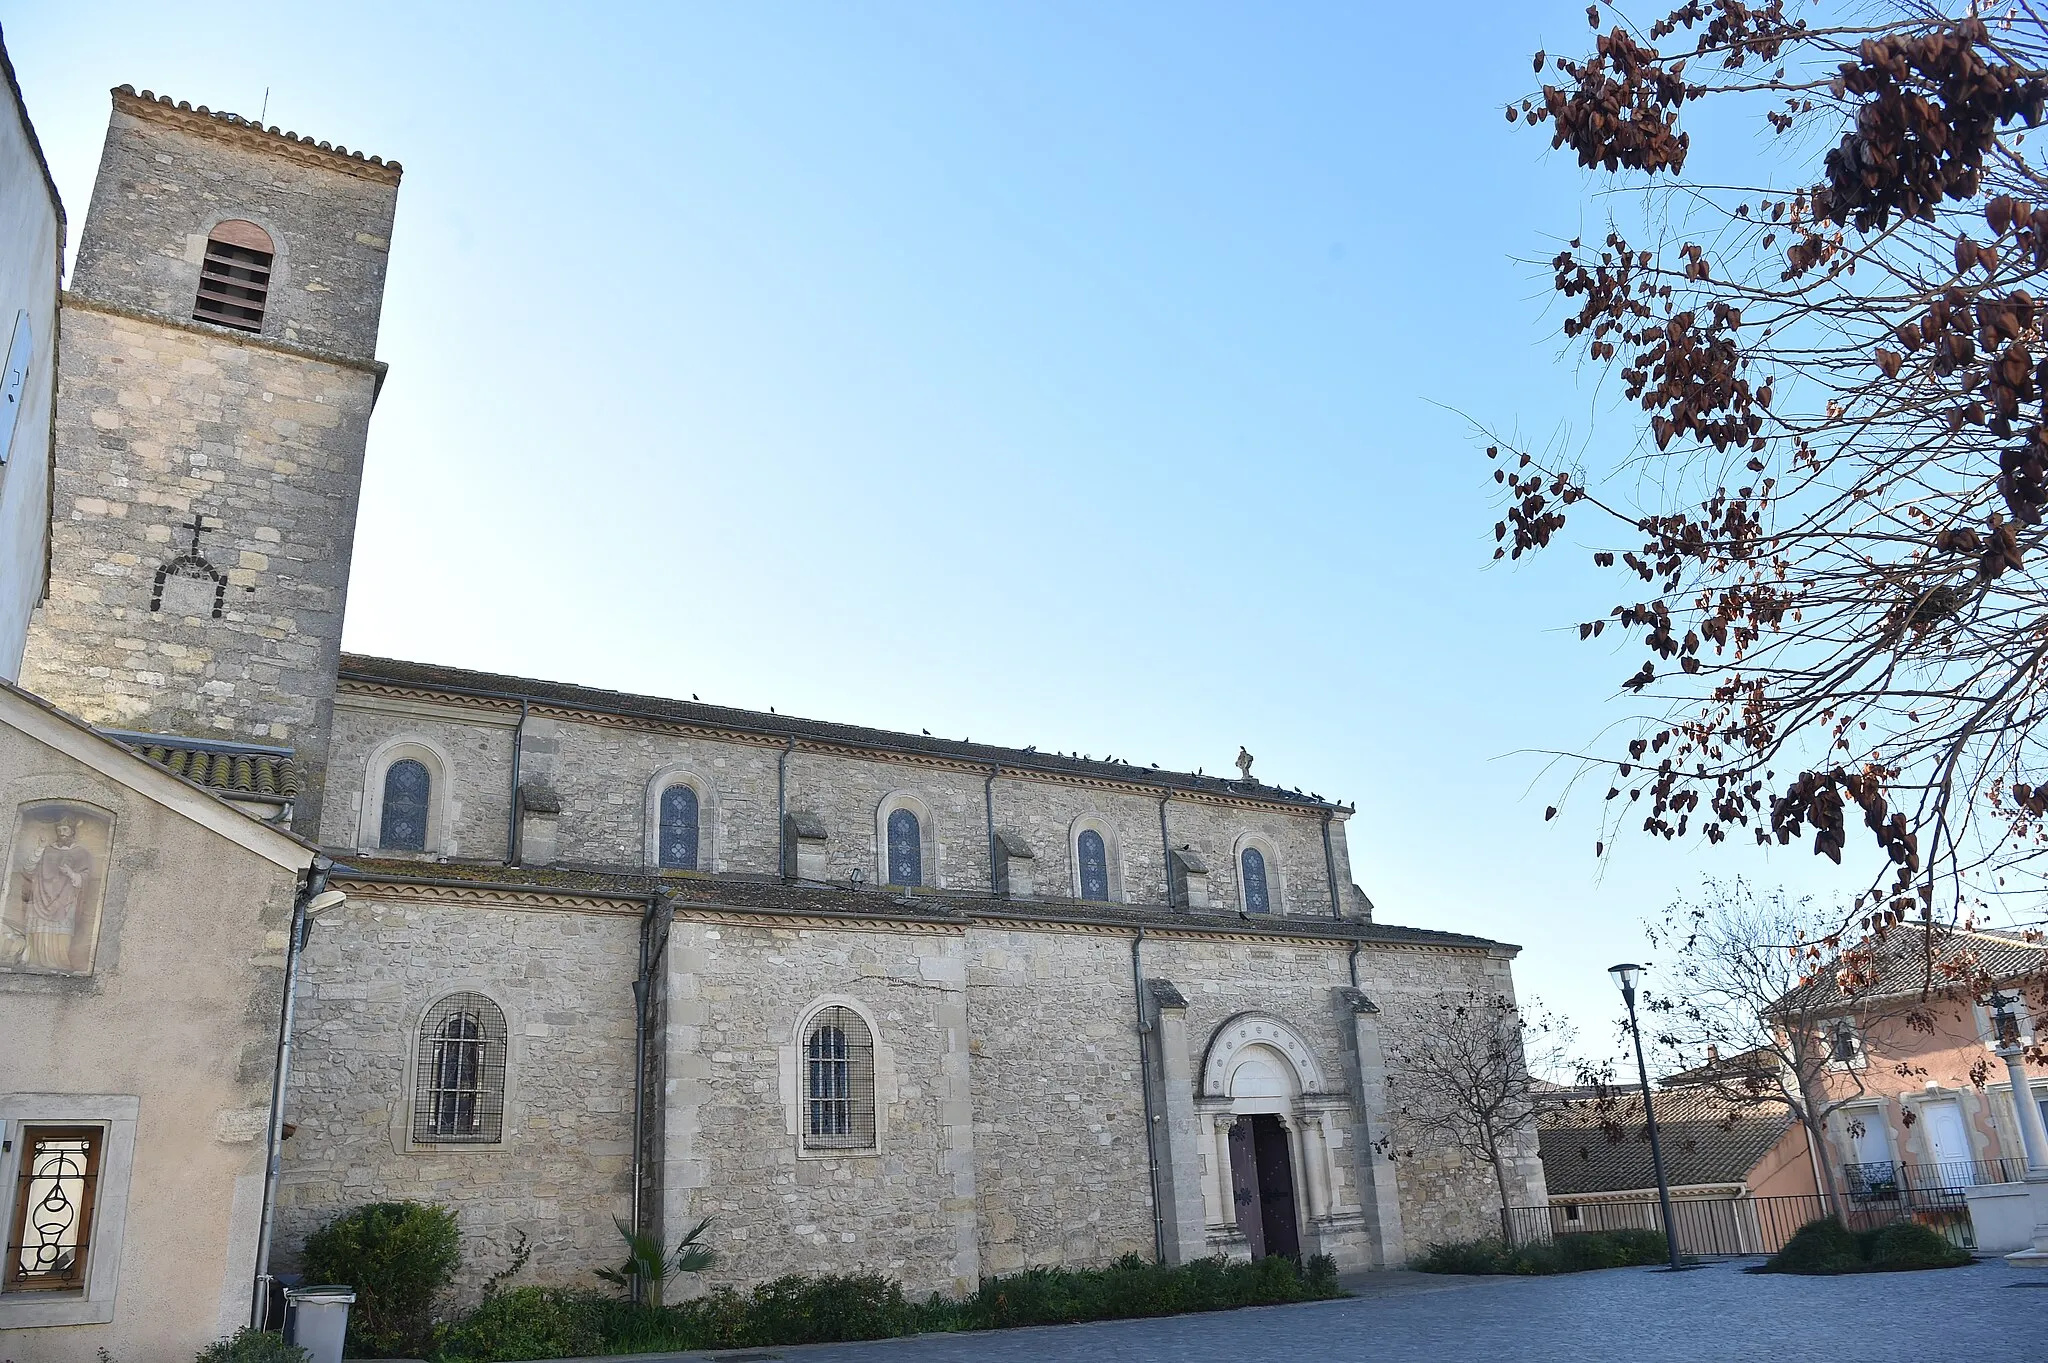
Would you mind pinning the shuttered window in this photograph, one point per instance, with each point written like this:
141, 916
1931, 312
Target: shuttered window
234, 279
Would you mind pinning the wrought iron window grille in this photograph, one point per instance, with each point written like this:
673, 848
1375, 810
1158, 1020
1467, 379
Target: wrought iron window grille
459, 1097
50, 1242
839, 1082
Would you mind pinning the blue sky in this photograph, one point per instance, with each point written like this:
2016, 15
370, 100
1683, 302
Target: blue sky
1093, 377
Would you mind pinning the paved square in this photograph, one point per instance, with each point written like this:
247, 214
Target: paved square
1989, 1313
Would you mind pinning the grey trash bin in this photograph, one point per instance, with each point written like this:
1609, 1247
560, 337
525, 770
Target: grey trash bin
316, 1319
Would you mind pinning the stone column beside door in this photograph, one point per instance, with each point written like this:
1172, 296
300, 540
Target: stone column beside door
1378, 1193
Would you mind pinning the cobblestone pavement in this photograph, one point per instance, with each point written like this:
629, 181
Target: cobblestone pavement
1989, 1313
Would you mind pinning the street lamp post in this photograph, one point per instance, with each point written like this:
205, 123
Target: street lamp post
1625, 977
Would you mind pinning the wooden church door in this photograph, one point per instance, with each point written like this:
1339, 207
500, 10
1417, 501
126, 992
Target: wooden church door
1244, 1186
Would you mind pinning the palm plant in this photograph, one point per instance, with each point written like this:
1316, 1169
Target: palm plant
648, 1267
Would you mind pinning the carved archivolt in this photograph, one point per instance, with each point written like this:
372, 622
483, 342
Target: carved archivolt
1250, 1037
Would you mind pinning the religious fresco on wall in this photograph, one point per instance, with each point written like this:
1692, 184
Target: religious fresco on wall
56, 879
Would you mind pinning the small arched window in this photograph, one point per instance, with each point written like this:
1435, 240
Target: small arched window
459, 1094
1094, 858
1257, 898
408, 790
906, 849
839, 1082
234, 279
679, 828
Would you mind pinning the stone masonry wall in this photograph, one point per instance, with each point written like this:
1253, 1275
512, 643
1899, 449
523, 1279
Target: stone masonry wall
1062, 1174
603, 772
157, 424
564, 981
738, 993
475, 787
166, 177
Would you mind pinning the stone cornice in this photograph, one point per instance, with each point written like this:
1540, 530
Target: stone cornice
78, 302
226, 127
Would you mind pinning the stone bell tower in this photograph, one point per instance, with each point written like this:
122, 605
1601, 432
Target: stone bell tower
215, 382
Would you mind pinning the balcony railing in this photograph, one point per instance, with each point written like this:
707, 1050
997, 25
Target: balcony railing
1925, 1184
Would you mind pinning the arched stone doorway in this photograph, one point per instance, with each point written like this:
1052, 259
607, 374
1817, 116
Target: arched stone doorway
1265, 1176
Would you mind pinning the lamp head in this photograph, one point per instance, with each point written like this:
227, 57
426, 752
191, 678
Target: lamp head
1625, 977
321, 903
2005, 1025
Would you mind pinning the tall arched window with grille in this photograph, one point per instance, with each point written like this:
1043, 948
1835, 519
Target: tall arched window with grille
408, 791
679, 828
906, 848
234, 277
1257, 897
459, 1091
839, 1081
1094, 859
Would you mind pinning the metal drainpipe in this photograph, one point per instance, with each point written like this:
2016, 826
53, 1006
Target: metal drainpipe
316, 884
640, 1054
1165, 849
512, 821
782, 866
1330, 867
988, 804
1145, 1087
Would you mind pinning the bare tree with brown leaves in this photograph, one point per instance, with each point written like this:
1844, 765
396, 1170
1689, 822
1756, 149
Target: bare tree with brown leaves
1831, 526
1471, 1078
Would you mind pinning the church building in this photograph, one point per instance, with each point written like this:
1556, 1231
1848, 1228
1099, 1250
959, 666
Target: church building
868, 1000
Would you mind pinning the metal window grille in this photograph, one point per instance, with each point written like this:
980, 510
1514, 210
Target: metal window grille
50, 1241
234, 278
1257, 899
459, 1098
1094, 867
679, 828
407, 790
839, 1082
906, 849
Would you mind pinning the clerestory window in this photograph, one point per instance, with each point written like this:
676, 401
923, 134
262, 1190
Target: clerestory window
1094, 859
679, 828
1258, 897
906, 848
408, 791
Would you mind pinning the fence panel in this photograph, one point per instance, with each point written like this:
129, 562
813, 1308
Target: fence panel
1728, 1227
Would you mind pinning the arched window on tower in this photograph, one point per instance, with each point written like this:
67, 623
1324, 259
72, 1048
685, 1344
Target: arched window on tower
1094, 858
906, 849
679, 828
234, 278
459, 1091
839, 1082
408, 790
1257, 898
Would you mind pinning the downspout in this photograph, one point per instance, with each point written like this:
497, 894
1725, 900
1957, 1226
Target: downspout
1330, 867
1165, 849
1145, 1087
782, 866
643, 996
512, 820
988, 804
316, 885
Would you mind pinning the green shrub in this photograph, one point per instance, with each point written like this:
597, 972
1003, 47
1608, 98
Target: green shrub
399, 1257
527, 1322
825, 1310
1575, 1252
252, 1346
1909, 1245
1827, 1246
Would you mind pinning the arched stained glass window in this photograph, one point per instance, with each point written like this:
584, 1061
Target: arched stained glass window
906, 849
679, 828
408, 790
1257, 898
460, 1096
839, 1082
1094, 866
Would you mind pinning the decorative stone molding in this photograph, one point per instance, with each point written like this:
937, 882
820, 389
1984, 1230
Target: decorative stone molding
226, 127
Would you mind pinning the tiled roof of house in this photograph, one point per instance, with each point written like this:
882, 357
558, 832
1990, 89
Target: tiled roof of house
238, 771
458, 681
1910, 959
770, 895
1705, 1139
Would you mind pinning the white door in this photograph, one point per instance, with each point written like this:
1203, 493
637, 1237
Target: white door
1949, 1141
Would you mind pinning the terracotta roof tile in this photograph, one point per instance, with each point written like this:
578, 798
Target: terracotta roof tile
238, 771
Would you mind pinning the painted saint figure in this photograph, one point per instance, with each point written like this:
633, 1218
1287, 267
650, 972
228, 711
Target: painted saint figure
53, 921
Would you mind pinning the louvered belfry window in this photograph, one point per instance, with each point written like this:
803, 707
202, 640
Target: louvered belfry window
839, 1082
234, 279
459, 1096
